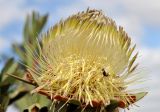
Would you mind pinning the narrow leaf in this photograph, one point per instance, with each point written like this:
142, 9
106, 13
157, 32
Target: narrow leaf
140, 95
21, 79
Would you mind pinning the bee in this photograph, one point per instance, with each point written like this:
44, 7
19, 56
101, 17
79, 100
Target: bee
106, 74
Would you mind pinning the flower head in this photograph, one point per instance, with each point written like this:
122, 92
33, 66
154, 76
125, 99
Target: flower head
88, 58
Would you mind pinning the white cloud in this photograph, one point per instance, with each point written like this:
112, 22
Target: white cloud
150, 60
147, 11
112, 9
151, 57
12, 10
131, 14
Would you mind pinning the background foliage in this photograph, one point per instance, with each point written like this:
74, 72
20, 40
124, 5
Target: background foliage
13, 91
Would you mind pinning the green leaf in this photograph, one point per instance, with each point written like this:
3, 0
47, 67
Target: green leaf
44, 109
4, 88
19, 95
140, 95
112, 106
19, 50
60, 106
1, 108
21, 79
9, 80
6, 67
10, 67
4, 101
75, 102
91, 109
30, 99
74, 106
34, 25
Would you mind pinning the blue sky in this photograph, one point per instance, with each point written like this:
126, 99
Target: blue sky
141, 20
151, 37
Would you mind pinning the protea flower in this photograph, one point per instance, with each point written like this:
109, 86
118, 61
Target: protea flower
89, 59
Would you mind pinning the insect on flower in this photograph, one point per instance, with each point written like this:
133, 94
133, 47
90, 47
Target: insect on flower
104, 73
87, 58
